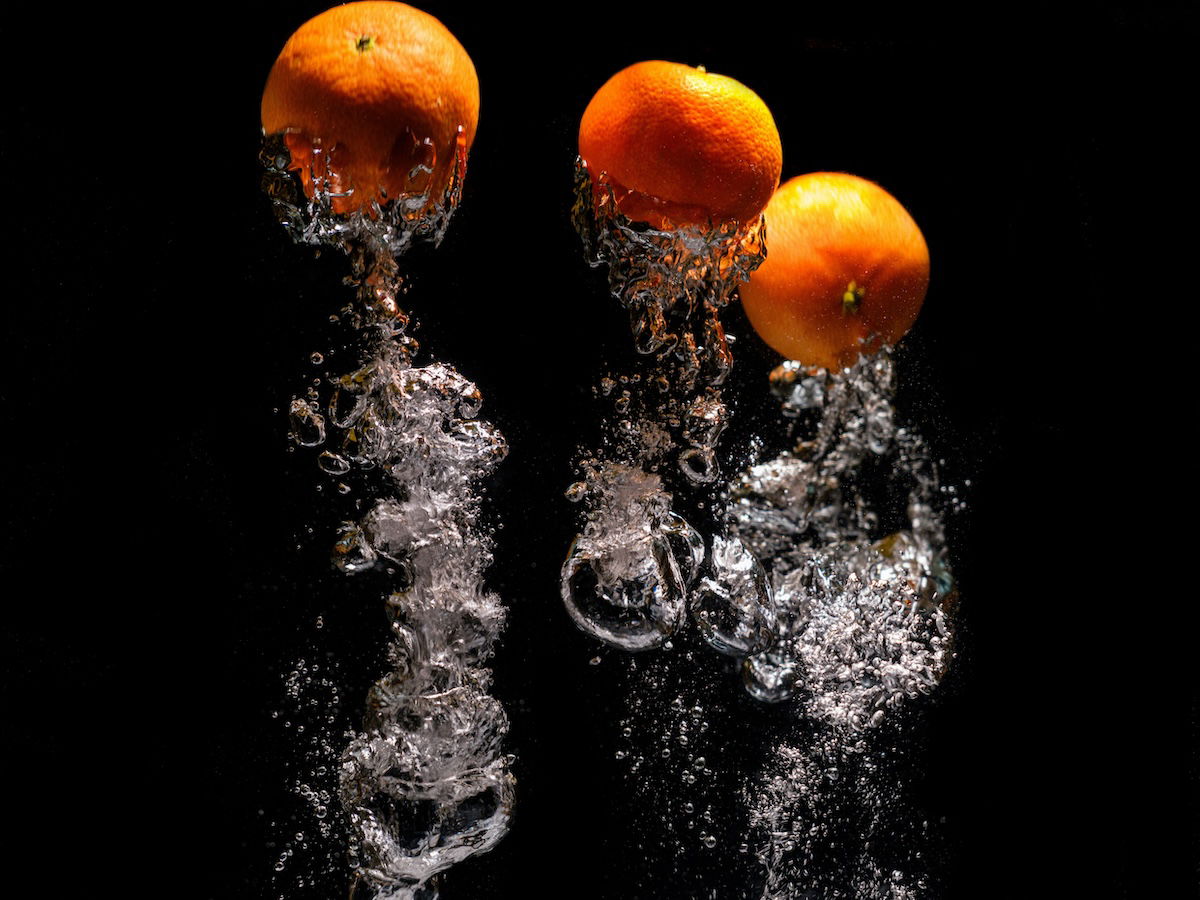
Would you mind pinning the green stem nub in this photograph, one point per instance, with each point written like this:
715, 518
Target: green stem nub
364, 43
852, 299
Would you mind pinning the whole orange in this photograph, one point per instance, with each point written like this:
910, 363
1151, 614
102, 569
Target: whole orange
682, 145
846, 270
381, 87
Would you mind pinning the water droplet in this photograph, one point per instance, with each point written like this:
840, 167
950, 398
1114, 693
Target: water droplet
626, 594
699, 465
332, 464
769, 677
687, 545
307, 425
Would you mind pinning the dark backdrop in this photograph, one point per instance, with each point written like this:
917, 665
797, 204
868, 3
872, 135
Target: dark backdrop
158, 577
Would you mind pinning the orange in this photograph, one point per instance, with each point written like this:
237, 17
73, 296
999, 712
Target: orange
381, 87
846, 270
682, 145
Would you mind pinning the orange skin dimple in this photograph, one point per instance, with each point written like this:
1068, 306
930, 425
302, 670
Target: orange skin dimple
847, 269
682, 145
381, 87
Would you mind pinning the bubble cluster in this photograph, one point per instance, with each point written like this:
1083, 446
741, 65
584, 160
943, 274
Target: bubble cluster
425, 783
861, 618
824, 576
846, 523
832, 819
622, 583
311, 719
386, 229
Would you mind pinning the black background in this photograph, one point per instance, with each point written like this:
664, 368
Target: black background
158, 580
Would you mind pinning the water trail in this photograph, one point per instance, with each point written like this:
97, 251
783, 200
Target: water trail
847, 525
628, 573
821, 572
424, 784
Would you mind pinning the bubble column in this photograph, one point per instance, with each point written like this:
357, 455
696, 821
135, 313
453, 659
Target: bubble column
630, 572
425, 783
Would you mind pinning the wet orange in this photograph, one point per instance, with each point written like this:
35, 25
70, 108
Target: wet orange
381, 87
846, 271
682, 145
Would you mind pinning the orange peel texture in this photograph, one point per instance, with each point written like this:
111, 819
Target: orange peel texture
846, 271
681, 146
383, 89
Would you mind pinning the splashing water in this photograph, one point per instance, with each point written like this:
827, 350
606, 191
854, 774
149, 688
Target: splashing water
823, 575
384, 230
862, 621
424, 784
830, 590
626, 575
859, 618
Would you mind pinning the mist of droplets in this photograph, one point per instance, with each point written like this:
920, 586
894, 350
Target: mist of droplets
306, 839
425, 783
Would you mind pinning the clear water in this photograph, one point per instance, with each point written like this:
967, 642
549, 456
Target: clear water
425, 782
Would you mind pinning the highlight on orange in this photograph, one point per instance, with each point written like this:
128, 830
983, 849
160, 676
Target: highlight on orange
681, 146
846, 271
383, 89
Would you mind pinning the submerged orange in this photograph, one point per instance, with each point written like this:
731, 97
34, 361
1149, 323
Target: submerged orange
683, 145
382, 88
846, 271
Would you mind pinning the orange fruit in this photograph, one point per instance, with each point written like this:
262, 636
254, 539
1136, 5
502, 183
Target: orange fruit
846, 270
681, 145
381, 87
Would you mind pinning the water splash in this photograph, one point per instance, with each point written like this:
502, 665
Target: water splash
826, 580
846, 524
861, 618
622, 583
627, 574
425, 783
388, 228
